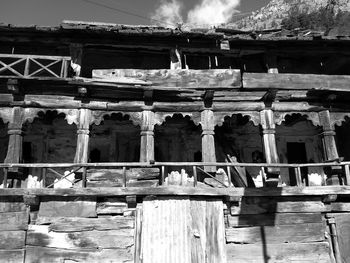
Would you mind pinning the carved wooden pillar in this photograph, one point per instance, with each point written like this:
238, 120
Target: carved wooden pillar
208, 141
81, 154
329, 148
147, 136
270, 147
14, 150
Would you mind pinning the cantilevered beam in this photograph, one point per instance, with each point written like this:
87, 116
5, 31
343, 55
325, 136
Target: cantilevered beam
295, 81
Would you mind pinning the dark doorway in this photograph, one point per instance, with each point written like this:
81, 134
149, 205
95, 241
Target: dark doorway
296, 153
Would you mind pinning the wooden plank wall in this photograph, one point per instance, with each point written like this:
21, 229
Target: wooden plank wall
67, 230
280, 229
252, 229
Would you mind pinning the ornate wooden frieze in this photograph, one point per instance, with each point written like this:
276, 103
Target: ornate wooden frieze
98, 116
254, 116
337, 118
311, 116
160, 117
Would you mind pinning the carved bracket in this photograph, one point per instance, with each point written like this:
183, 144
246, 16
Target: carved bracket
337, 118
311, 116
254, 116
6, 114
159, 117
98, 116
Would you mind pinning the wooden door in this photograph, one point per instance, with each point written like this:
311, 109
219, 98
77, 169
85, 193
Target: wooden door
182, 230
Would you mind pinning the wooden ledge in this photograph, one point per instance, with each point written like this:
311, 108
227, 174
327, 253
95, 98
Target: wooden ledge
181, 191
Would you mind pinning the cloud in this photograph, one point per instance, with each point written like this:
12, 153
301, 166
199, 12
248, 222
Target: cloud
206, 12
209, 12
168, 12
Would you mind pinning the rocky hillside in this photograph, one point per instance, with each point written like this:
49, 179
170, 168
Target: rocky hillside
271, 15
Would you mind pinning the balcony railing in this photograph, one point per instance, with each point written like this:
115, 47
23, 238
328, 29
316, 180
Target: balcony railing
30, 66
343, 167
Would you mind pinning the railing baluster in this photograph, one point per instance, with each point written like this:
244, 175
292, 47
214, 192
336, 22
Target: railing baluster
162, 175
43, 177
263, 176
5, 177
347, 174
298, 176
84, 176
229, 176
195, 179
124, 176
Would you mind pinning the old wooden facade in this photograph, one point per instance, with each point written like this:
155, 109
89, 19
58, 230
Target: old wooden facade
95, 120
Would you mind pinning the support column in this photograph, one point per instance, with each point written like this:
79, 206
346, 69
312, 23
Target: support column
14, 150
329, 148
147, 136
270, 147
208, 141
83, 132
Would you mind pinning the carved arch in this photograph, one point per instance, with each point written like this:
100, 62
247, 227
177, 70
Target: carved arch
338, 118
279, 117
254, 116
98, 116
160, 117
71, 115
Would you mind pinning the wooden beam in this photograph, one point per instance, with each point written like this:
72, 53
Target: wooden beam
216, 78
180, 191
295, 81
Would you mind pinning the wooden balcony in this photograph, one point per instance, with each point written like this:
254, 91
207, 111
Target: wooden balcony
33, 66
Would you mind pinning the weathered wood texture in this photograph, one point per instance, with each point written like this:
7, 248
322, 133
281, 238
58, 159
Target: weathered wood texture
146, 177
89, 224
278, 253
14, 220
265, 205
187, 231
111, 206
174, 190
41, 236
216, 78
59, 255
12, 239
273, 219
298, 233
295, 81
342, 223
12, 255
71, 208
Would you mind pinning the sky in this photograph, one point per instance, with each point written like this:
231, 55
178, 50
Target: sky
53, 12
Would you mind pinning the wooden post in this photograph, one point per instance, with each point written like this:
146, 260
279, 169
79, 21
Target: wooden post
271, 63
81, 154
270, 148
76, 52
14, 150
208, 142
329, 148
147, 136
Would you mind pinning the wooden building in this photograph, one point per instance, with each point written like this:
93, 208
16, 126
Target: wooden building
147, 144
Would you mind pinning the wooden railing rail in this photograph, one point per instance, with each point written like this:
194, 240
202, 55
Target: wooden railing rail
83, 167
28, 66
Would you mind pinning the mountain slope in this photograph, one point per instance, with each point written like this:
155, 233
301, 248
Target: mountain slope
271, 15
